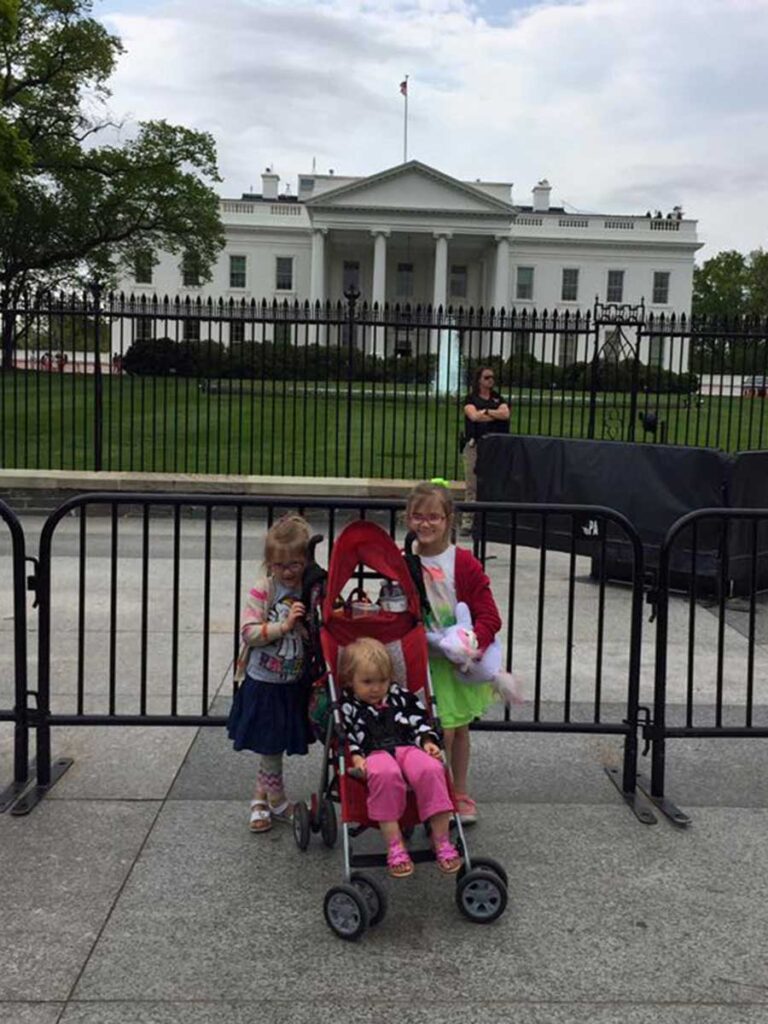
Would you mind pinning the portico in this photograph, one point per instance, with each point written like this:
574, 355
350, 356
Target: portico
411, 235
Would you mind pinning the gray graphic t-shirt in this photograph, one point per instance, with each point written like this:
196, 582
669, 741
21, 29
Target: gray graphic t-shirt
282, 660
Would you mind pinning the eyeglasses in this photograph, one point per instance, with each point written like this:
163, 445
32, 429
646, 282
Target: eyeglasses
433, 518
487, 376
287, 566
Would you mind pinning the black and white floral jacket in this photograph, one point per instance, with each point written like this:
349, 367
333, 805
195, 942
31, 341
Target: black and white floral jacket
402, 722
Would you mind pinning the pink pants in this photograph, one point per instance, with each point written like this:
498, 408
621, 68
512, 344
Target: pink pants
388, 777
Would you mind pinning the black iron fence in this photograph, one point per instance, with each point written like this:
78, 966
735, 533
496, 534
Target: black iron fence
110, 382
138, 601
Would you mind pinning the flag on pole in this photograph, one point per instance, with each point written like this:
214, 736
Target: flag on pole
404, 87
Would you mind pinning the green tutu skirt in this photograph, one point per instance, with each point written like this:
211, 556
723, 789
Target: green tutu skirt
457, 703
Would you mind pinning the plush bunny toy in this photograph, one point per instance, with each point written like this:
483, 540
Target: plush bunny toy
471, 666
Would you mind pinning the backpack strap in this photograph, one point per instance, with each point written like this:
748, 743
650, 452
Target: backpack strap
413, 562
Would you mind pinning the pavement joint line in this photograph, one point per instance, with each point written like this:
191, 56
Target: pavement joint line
160, 806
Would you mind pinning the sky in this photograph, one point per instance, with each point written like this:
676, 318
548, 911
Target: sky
623, 105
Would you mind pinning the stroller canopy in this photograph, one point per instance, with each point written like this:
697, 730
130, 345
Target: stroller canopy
366, 543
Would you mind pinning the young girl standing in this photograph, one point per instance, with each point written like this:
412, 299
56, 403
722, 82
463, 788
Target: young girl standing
451, 575
269, 714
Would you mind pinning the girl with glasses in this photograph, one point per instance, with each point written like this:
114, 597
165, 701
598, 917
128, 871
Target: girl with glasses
269, 711
452, 574
485, 412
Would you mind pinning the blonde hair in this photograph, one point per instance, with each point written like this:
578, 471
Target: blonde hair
363, 653
422, 492
290, 534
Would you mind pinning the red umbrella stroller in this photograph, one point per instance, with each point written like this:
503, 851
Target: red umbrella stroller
364, 551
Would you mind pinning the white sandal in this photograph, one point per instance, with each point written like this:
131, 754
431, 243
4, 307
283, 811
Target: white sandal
261, 816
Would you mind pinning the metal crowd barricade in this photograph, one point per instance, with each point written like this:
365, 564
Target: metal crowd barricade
580, 674
176, 584
16, 711
708, 645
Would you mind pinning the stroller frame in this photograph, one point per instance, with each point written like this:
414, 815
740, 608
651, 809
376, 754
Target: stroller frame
360, 901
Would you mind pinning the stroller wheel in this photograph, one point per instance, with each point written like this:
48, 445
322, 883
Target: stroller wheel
346, 912
328, 828
481, 896
485, 864
373, 894
301, 824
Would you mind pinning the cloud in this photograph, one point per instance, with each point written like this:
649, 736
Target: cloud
617, 103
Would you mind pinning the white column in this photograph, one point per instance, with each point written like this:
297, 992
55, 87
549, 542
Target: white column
441, 268
317, 276
501, 280
379, 290
377, 342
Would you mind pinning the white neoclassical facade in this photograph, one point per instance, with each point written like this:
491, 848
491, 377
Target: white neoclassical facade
412, 234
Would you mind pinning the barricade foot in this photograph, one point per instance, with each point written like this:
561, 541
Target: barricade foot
32, 796
11, 794
636, 804
671, 811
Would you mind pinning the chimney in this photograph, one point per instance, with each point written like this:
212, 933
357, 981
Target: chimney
541, 196
269, 184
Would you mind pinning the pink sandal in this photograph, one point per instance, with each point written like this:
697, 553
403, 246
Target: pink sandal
399, 863
447, 856
466, 808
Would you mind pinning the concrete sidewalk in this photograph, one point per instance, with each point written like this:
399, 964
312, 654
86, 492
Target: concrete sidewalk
134, 893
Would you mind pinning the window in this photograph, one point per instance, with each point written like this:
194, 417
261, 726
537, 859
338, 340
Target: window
570, 288
611, 351
191, 330
237, 271
660, 287
142, 268
656, 350
404, 280
615, 290
351, 276
524, 283
282, 334
143, 329
190, 271
284, 273
521, 343
458, 286
567, 353
236, 332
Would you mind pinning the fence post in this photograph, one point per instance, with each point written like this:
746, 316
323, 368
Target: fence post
635, 386
593, 381
98, 384
351, 295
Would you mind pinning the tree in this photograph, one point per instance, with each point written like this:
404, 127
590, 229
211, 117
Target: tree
731, 285
720, 286
758, 283
76, 207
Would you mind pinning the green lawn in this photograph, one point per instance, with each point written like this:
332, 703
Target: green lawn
167, 425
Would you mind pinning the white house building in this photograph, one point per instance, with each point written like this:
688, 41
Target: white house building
412, 234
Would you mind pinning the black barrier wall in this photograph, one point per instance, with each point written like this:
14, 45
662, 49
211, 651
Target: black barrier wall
140, 599
652, 485
13, 693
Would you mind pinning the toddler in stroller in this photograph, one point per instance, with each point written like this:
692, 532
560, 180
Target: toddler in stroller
358, 735
393, 745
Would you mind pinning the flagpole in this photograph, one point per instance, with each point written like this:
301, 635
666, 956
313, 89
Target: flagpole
405, 122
